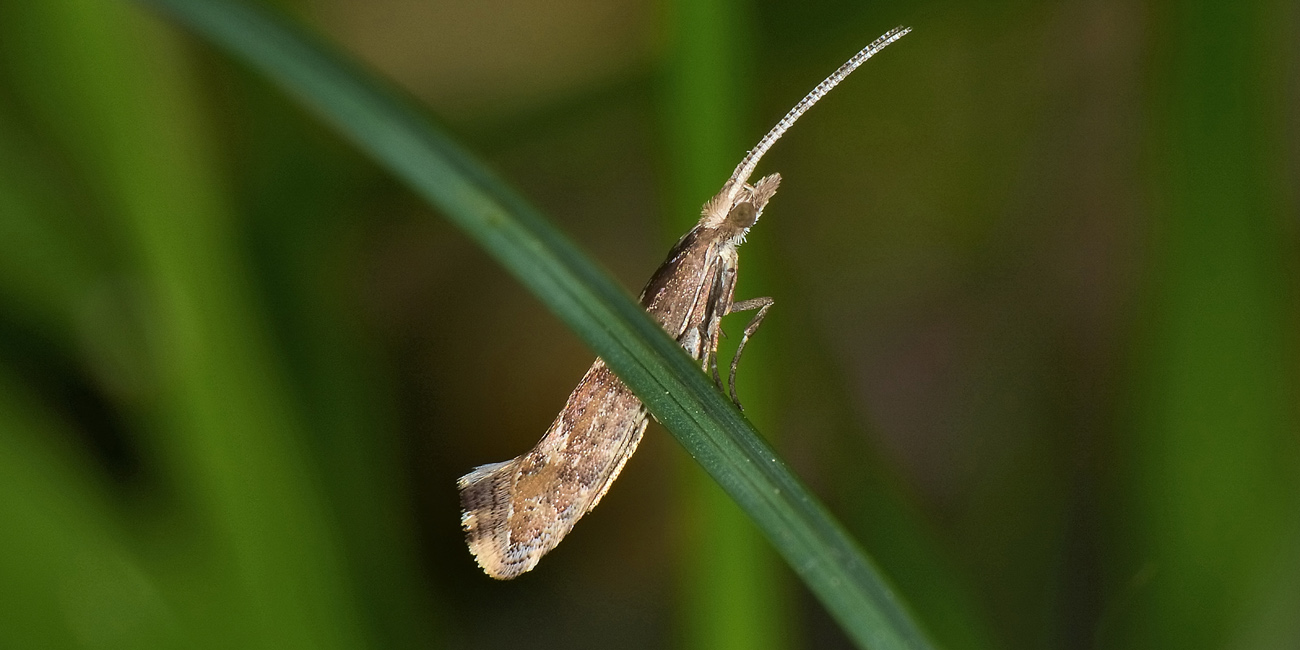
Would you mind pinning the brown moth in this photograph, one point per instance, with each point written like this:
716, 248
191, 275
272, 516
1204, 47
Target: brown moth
518, 510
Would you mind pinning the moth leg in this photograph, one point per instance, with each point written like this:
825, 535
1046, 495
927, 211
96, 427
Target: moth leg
710, 357
762, 305
713, 363
697, 345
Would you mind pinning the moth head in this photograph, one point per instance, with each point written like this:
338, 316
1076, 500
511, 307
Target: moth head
738, 206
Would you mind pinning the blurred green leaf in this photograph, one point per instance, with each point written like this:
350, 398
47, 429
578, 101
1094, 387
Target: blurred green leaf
600, 311
70, 579
243, 548
1213, 472
46, 265
302, 227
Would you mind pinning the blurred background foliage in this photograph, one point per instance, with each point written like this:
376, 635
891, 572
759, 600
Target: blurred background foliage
1034, 340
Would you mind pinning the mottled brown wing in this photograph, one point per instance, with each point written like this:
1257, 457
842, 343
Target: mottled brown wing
517, 511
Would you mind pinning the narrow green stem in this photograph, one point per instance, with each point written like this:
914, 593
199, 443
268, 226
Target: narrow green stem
730, 581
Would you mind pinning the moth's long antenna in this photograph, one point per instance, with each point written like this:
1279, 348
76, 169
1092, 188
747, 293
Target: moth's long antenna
746, 167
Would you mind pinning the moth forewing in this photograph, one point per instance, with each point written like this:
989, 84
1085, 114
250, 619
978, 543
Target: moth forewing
518, 510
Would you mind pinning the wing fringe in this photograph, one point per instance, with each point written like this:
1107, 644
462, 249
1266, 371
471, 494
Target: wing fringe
485, 497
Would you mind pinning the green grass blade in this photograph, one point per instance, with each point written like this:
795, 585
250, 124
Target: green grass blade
584, 297
44, 265
66, 561
733, 592
1211, 483
250, 554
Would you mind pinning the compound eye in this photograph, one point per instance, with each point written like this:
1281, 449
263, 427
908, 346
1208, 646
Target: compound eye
741, 217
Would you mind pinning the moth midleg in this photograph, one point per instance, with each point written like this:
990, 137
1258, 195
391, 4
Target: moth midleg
762, 305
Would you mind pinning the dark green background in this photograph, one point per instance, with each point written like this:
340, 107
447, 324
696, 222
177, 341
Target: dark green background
1034, 340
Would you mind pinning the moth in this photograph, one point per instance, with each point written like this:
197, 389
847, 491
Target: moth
518, 510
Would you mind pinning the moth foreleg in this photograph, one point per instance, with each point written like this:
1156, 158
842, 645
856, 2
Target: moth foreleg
762, 305
713, 363
709, 349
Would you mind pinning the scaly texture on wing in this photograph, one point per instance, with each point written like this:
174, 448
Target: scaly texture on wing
516, 511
